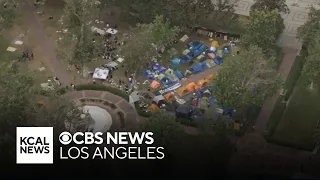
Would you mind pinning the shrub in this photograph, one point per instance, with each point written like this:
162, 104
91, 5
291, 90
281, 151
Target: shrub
140, 110
99, 87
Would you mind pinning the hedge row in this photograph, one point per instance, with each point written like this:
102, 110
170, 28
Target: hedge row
99, 87
276, 116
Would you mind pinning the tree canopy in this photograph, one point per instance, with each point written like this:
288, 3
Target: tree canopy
138, 50
270, 5
79, 44
311, 68
184, 13
263, 30
307, 31
247, 80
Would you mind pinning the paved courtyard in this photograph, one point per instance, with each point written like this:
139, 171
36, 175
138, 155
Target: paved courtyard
297, 17
123, 114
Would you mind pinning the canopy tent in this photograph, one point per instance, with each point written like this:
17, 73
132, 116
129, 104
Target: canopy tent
133, 97
155, 85
159, 100
153, 107
169, 97
100, 73
215, 44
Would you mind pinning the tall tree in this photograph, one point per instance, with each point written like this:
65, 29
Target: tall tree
270, 5
79, 44
138, 49
311, 67
263, 30
247, 80
307, 31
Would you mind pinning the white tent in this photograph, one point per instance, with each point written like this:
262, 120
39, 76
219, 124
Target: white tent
100, 73
100, 31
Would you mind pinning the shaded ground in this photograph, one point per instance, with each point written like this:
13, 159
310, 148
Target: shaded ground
301, 117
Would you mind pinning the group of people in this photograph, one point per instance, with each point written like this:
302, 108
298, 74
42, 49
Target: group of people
27, 55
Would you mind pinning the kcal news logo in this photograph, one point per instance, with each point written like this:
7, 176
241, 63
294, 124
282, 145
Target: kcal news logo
34, 145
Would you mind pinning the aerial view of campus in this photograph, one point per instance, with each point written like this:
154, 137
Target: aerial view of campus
228, 88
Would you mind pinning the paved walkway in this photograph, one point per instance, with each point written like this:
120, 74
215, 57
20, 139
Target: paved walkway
57, 67
122, 113
297, 17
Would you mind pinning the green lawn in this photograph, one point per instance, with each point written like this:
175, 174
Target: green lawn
300, 117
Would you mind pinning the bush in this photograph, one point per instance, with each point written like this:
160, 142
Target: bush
99, 87
140, 111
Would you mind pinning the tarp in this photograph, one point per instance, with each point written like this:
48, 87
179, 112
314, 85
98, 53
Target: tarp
209, 63
226, 50
171, 88
148, 74
155, 85
184, 38
100, 73
158, 100
215, 44
218, 60
178, 74
157, 68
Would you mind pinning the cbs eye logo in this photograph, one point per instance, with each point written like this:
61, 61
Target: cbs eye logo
65, 138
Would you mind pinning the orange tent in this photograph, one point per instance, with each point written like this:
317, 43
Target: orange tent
182, 91
169, 97
155, 85
153, 107
204, 82
191, 87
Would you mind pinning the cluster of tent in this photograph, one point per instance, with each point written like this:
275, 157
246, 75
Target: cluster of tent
199, 50
194, 86
161, 75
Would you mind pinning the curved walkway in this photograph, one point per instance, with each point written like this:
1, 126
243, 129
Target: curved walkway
123, 114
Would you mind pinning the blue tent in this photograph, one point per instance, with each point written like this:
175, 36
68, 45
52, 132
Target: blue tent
148, 74
178, 74
185, 59
175, 61
199, 67
218, 60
